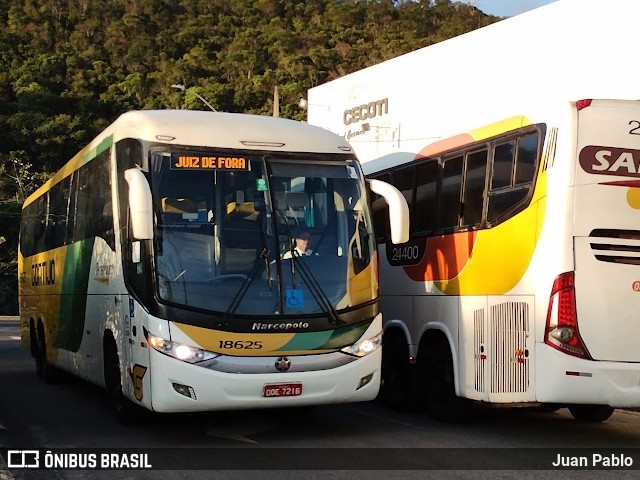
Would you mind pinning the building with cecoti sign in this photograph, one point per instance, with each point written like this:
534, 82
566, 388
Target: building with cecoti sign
570, 49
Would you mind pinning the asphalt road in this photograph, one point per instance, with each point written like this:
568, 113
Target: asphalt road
355, 441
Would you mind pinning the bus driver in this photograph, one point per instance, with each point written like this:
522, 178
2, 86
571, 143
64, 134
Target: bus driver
303, 239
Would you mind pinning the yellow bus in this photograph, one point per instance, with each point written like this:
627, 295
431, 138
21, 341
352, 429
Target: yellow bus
152, 264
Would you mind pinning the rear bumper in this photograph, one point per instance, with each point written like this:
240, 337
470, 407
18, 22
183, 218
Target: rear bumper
561, 378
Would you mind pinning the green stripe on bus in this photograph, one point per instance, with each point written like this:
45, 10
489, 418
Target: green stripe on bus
326, 340
94, 152
73, 301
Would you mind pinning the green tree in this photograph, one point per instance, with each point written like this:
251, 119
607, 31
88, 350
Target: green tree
18, 179
69, 68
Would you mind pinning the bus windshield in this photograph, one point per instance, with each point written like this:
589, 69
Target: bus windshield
227, 227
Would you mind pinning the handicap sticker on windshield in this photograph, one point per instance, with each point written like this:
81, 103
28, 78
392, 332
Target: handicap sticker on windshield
294, 298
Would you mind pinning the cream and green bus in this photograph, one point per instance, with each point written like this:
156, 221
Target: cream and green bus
152, 264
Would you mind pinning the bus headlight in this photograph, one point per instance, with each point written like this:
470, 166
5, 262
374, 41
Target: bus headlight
364, 347
177, 350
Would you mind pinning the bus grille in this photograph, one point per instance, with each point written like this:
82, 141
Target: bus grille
479, 349
549, 154
616, 246
505, 357
510, 362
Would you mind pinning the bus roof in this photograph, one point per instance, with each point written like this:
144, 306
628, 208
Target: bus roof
226, 130
206, 129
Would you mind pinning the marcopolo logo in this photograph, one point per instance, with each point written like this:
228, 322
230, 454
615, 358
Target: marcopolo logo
279, 326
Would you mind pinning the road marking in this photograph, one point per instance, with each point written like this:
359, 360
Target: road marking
14, 338
241, 431
228, 435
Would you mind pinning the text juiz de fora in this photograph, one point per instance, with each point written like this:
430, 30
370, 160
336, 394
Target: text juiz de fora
211, 163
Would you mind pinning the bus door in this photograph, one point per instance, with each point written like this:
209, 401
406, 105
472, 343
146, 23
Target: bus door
136, 352
607, 229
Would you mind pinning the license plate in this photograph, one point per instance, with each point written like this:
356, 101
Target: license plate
282, 390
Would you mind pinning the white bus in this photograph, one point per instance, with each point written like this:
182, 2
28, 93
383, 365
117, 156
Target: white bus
151, 264
520, 284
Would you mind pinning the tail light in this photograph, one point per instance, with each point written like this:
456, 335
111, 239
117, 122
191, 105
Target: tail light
561, 331
583, 103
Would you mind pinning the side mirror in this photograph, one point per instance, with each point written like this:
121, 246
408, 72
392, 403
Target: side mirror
398, 209
140, 204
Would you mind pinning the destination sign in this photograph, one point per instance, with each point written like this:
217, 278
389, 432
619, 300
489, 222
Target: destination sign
202, 162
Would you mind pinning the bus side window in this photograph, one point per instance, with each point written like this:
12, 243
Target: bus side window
128, 155
59, 210
104, 203
39, 224
32, 227
503, 157
95, 217
474, 188
449, 205
526, 159
424, 218
514, 169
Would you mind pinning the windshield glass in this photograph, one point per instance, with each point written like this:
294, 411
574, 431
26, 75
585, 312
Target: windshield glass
242, 234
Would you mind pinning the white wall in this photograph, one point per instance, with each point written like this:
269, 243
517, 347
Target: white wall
568, 50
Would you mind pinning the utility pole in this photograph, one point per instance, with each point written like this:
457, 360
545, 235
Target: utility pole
276, 102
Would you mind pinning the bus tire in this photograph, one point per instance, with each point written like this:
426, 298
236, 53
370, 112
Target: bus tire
442, 402
33, 339
591, 413
47, 372
395, 387
127, 413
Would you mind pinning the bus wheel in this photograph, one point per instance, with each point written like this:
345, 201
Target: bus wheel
45, 371
33, 339
591, 413
127, 412
442, 402
395, 388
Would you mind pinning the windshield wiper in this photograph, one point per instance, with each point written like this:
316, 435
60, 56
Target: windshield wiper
292, 250
264, 256
308, 278
237, 298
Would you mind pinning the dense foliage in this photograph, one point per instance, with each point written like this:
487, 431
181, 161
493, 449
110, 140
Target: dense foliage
70, 67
